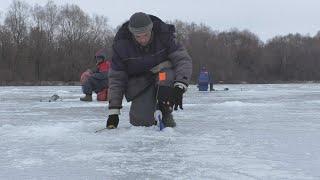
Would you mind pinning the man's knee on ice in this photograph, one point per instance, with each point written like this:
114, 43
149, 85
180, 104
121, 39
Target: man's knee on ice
142, 119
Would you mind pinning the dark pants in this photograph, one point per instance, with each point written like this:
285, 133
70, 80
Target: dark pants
143, 107
203, 86
211, 86
94, 85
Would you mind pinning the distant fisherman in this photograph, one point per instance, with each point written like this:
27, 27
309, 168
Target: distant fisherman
96, 79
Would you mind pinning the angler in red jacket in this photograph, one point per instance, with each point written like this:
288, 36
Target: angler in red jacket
96, 79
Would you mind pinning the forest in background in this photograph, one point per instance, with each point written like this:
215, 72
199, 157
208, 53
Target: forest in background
52, 43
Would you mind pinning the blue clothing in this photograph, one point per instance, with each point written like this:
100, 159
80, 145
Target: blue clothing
204, 80
97, 82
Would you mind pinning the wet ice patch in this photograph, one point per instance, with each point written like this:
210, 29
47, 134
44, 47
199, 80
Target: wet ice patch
317, 102
27, 162
240, 104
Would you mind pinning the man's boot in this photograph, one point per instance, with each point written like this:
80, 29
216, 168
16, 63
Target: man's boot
88, 98
168, 121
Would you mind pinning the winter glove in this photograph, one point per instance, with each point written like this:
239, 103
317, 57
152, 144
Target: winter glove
113, 121
177, 97
85, 76
89, 71
165, 96
170, 97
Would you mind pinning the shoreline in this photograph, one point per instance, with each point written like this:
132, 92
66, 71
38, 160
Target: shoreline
76, 83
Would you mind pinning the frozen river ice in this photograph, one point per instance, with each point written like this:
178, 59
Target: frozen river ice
248, 132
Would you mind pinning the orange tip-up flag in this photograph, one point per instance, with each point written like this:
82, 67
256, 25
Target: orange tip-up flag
162, 76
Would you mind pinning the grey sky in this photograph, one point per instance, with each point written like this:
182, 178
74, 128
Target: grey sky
266, 18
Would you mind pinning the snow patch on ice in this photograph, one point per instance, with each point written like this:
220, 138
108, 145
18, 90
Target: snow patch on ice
233, 104
85, 155
54, 131
6, 127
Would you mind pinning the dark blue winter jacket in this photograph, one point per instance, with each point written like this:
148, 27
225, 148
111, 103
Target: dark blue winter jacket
129, 56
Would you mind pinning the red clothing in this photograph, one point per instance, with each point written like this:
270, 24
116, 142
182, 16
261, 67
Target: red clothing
104, 66
102, 95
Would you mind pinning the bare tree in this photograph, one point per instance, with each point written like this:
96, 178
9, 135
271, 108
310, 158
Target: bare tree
42, 35
17, 20
74, 23
182, 30
99, 27
100, 33
51, 19
1, 17
6, 54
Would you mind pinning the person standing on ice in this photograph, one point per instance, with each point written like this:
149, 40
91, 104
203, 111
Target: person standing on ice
150, 68
96, 79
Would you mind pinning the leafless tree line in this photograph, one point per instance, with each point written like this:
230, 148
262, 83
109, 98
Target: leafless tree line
240, 56
57, 43
50, 42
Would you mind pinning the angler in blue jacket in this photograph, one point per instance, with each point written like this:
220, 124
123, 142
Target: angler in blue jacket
144, 48
205, 79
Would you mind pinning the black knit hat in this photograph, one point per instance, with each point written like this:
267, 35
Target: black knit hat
139, 23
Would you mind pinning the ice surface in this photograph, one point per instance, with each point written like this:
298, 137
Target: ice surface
248, 132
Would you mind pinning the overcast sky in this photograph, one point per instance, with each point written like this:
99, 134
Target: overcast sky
266, 18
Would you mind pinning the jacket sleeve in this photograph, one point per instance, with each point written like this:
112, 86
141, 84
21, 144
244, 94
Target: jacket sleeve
181, 61
100, 75
94, 70
118, 79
